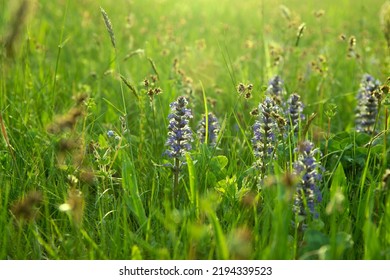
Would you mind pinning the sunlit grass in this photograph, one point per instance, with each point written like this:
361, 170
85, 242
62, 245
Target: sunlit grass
85, 90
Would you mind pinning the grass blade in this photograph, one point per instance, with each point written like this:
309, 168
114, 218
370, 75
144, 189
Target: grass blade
130, 185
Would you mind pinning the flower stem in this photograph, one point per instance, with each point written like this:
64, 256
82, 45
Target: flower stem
176, 171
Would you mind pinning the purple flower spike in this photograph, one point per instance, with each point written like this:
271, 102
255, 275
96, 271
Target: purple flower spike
213, 129
307, 168
367, 108
294, 113
179, 133
275, 86
264, 134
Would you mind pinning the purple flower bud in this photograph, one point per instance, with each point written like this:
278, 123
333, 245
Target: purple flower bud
110, 133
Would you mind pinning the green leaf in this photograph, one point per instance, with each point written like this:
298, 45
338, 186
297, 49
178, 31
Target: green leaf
219, 162
194, 194
220, 239
313, 240
339, 178
228, 186
344, 240
102, 141
362, 139
130, 185
136, 253
377, 149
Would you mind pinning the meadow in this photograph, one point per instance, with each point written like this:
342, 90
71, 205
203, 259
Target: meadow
164, 129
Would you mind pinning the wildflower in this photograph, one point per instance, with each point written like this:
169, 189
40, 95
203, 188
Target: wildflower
367, 108
110, 133
179, 133
275, 89
307, 167
264, 134
179, 138
294, 112
213, 128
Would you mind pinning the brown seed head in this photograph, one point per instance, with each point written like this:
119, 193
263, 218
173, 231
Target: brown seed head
26, 209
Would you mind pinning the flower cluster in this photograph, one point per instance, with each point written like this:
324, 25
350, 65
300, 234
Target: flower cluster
294, 112
367, 108
264, 133
308, 169
213, 128
179, 133
275, 89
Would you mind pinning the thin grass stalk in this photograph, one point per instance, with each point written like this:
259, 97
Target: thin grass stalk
385, 138
368, 159
60, 46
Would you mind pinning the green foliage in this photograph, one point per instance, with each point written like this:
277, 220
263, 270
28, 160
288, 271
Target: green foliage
84, 99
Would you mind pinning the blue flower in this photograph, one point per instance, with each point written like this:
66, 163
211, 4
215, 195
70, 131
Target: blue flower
275, 89
213, 129
367, 108
264, 134
110, 133
308, 169
294, 113
179, 133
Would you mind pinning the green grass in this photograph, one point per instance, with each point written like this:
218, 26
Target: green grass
203, 49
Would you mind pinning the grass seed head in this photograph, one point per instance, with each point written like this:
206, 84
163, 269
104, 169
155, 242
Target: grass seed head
74, 205
319, 13
240, 243
27, 208
66, 122
108, 24
254, 112
87, 177
386, 180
